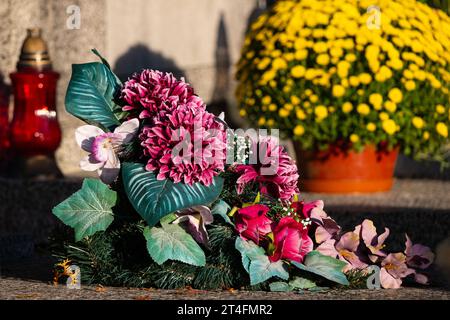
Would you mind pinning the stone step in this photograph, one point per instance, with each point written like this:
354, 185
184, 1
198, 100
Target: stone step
419, 207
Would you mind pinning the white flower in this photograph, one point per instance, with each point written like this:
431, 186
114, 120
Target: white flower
103, 147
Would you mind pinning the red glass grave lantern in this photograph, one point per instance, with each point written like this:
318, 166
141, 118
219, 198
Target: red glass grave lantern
35, 129
4, 119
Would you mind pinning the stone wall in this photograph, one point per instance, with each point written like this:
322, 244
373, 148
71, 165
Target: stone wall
175, 35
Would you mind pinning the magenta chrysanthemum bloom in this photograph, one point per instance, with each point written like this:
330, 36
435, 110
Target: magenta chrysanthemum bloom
276, 174
180, 139
154, 92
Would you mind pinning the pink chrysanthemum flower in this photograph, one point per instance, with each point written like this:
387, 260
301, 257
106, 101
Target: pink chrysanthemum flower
276, 173
180, 139
153, 93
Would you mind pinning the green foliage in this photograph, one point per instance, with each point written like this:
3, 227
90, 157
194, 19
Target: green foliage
153, 199
90, 94
301, 283
105, 258
357, 278
88, 210
221, 208
279, 286
257, 264
171, 242
324, 266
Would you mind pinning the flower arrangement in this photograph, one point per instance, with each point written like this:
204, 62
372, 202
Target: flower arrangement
352, 72
170, 211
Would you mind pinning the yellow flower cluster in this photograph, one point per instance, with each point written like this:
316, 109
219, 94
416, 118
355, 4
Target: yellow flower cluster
321, 70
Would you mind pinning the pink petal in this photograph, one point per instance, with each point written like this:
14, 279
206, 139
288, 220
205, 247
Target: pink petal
110, 171
327, 248
322, 235
388, 281
85, 135
127, 130
88, 163
368, 232
420, 278
348, 241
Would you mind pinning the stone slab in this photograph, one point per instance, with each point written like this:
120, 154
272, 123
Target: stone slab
17, 289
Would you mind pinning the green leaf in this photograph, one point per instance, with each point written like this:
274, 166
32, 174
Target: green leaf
91, 92
325, 266
262, 269
221, 208
301, 283
257, 264
171, 242
279, 286
104, 61
153, 199
249, 250
88, 210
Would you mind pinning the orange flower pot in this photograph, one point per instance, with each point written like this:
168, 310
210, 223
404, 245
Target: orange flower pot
338, 170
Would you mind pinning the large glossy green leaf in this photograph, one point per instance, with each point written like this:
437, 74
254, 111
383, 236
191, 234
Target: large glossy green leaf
88, 210
325, 266
257, 264
171, 242
153, 199
91, 92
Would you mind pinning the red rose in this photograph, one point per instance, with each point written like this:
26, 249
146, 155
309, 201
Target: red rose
252, 222
291, 241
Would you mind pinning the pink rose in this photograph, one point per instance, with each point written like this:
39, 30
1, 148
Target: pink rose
252, 222
291, 241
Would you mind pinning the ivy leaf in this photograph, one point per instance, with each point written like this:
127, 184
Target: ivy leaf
257, 264
90, 94
262, 269
88, 210
221, 208
325, 266
301, 283
279, 286
249, 250
171, 242
154, 199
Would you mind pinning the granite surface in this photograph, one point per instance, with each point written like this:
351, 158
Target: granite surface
34, 290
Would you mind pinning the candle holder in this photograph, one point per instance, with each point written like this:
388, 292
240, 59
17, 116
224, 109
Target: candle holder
35, 131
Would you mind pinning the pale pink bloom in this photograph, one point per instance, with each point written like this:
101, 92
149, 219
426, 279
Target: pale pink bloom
417, 255
393, 270
327, 228
372, 241
103, 148
345, 249
195, 220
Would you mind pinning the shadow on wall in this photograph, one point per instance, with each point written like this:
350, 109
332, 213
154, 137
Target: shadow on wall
219, 101
140, 57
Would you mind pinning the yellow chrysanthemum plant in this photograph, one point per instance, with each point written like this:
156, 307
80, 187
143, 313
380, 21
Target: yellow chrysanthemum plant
363, 72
